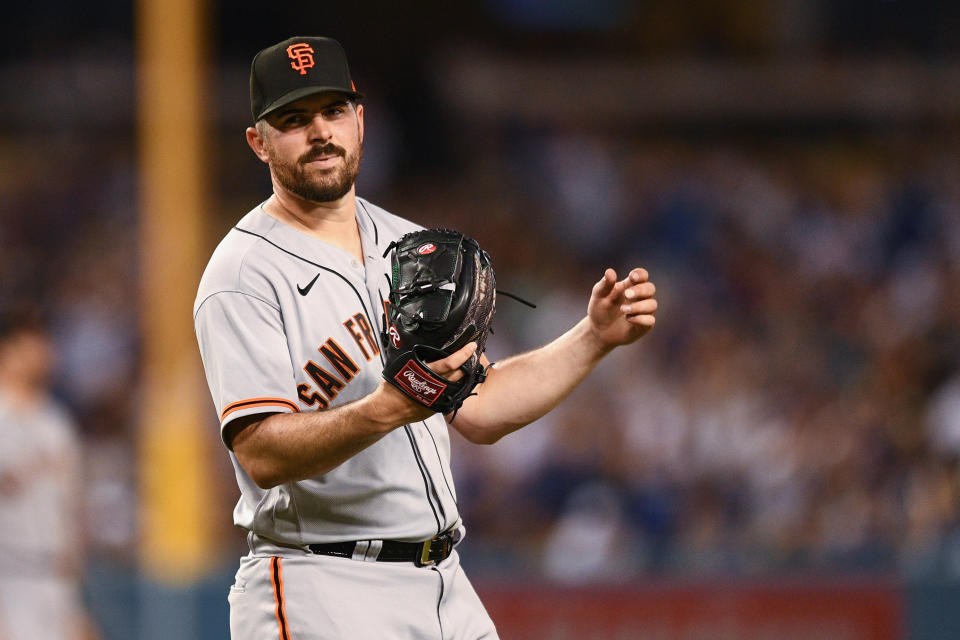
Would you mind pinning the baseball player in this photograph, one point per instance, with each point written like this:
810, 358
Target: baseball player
347, 495
40, 558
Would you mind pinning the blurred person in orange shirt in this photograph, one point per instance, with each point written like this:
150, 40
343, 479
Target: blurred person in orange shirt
40, 542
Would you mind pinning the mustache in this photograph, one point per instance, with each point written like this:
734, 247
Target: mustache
325, 150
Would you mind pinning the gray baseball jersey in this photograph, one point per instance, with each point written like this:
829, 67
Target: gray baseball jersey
289, 323
38, 514
38, 521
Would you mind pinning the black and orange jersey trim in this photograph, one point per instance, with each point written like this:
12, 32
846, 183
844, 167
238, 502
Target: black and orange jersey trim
258, 402
276, 578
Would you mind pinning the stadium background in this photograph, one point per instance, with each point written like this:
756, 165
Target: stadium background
779, 457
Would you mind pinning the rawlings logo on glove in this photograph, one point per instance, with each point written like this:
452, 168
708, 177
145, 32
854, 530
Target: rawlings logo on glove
442, 297
419, 384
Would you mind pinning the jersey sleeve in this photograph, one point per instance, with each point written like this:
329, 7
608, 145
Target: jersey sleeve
245, 356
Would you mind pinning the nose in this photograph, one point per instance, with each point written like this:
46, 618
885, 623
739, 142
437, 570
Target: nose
319, 129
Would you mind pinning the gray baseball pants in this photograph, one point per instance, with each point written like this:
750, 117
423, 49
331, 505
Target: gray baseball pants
316, 597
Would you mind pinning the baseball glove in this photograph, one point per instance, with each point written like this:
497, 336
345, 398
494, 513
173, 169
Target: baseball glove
442, 297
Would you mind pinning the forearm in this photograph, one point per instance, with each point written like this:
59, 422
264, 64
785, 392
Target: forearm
287, 447
515, 394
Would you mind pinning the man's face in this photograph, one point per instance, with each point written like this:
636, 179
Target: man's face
28, 356
314, 146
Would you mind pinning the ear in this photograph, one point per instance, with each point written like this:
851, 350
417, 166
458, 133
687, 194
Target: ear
256, 142
360, 121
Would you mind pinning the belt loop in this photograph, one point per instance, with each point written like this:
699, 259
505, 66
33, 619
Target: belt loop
360, 550
373, 551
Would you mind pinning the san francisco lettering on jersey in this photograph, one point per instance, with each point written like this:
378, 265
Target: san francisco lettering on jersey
344, 367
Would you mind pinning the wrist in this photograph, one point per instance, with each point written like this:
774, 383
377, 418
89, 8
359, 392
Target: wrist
596, 348
388, 408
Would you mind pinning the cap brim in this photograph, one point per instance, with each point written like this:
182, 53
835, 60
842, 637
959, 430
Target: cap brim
303, 92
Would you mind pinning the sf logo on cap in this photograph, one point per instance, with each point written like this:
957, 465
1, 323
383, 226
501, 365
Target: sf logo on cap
302, 56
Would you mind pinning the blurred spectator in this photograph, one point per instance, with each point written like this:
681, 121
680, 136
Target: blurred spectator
591, 540
41, 553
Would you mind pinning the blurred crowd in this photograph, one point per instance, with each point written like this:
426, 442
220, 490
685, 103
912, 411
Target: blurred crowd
797, 407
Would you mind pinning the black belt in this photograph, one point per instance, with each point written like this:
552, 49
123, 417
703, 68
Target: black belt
423, 554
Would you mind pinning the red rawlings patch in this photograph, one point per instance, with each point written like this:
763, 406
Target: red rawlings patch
426, 248
419, 383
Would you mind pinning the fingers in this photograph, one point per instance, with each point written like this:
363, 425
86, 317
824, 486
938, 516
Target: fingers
635, 286
646, 306
449, 367
639, 305
606, 285
638, 275
641, 312
640, 291
642, 320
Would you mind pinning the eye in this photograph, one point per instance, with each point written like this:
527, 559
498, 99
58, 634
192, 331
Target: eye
335, 111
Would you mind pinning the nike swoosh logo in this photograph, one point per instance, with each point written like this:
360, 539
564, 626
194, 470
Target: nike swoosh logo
305, 290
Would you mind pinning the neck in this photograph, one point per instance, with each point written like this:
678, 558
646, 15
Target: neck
20, 391
333, 222
313, 216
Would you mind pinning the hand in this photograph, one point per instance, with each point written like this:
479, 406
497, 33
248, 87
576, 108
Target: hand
622, 312
448, 368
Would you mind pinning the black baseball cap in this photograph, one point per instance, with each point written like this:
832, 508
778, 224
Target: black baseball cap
295, 68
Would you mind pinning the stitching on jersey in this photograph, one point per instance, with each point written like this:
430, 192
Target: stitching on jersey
383, 320
363, 305
243, 265
319, 266
243, 261
243, 293
442, 473
423, 473
433, 488
376, 232
311, 262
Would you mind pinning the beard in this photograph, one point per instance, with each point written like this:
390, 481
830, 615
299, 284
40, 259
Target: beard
323, 186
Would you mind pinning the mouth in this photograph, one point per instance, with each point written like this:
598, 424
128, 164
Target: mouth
324, 157
324, 160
